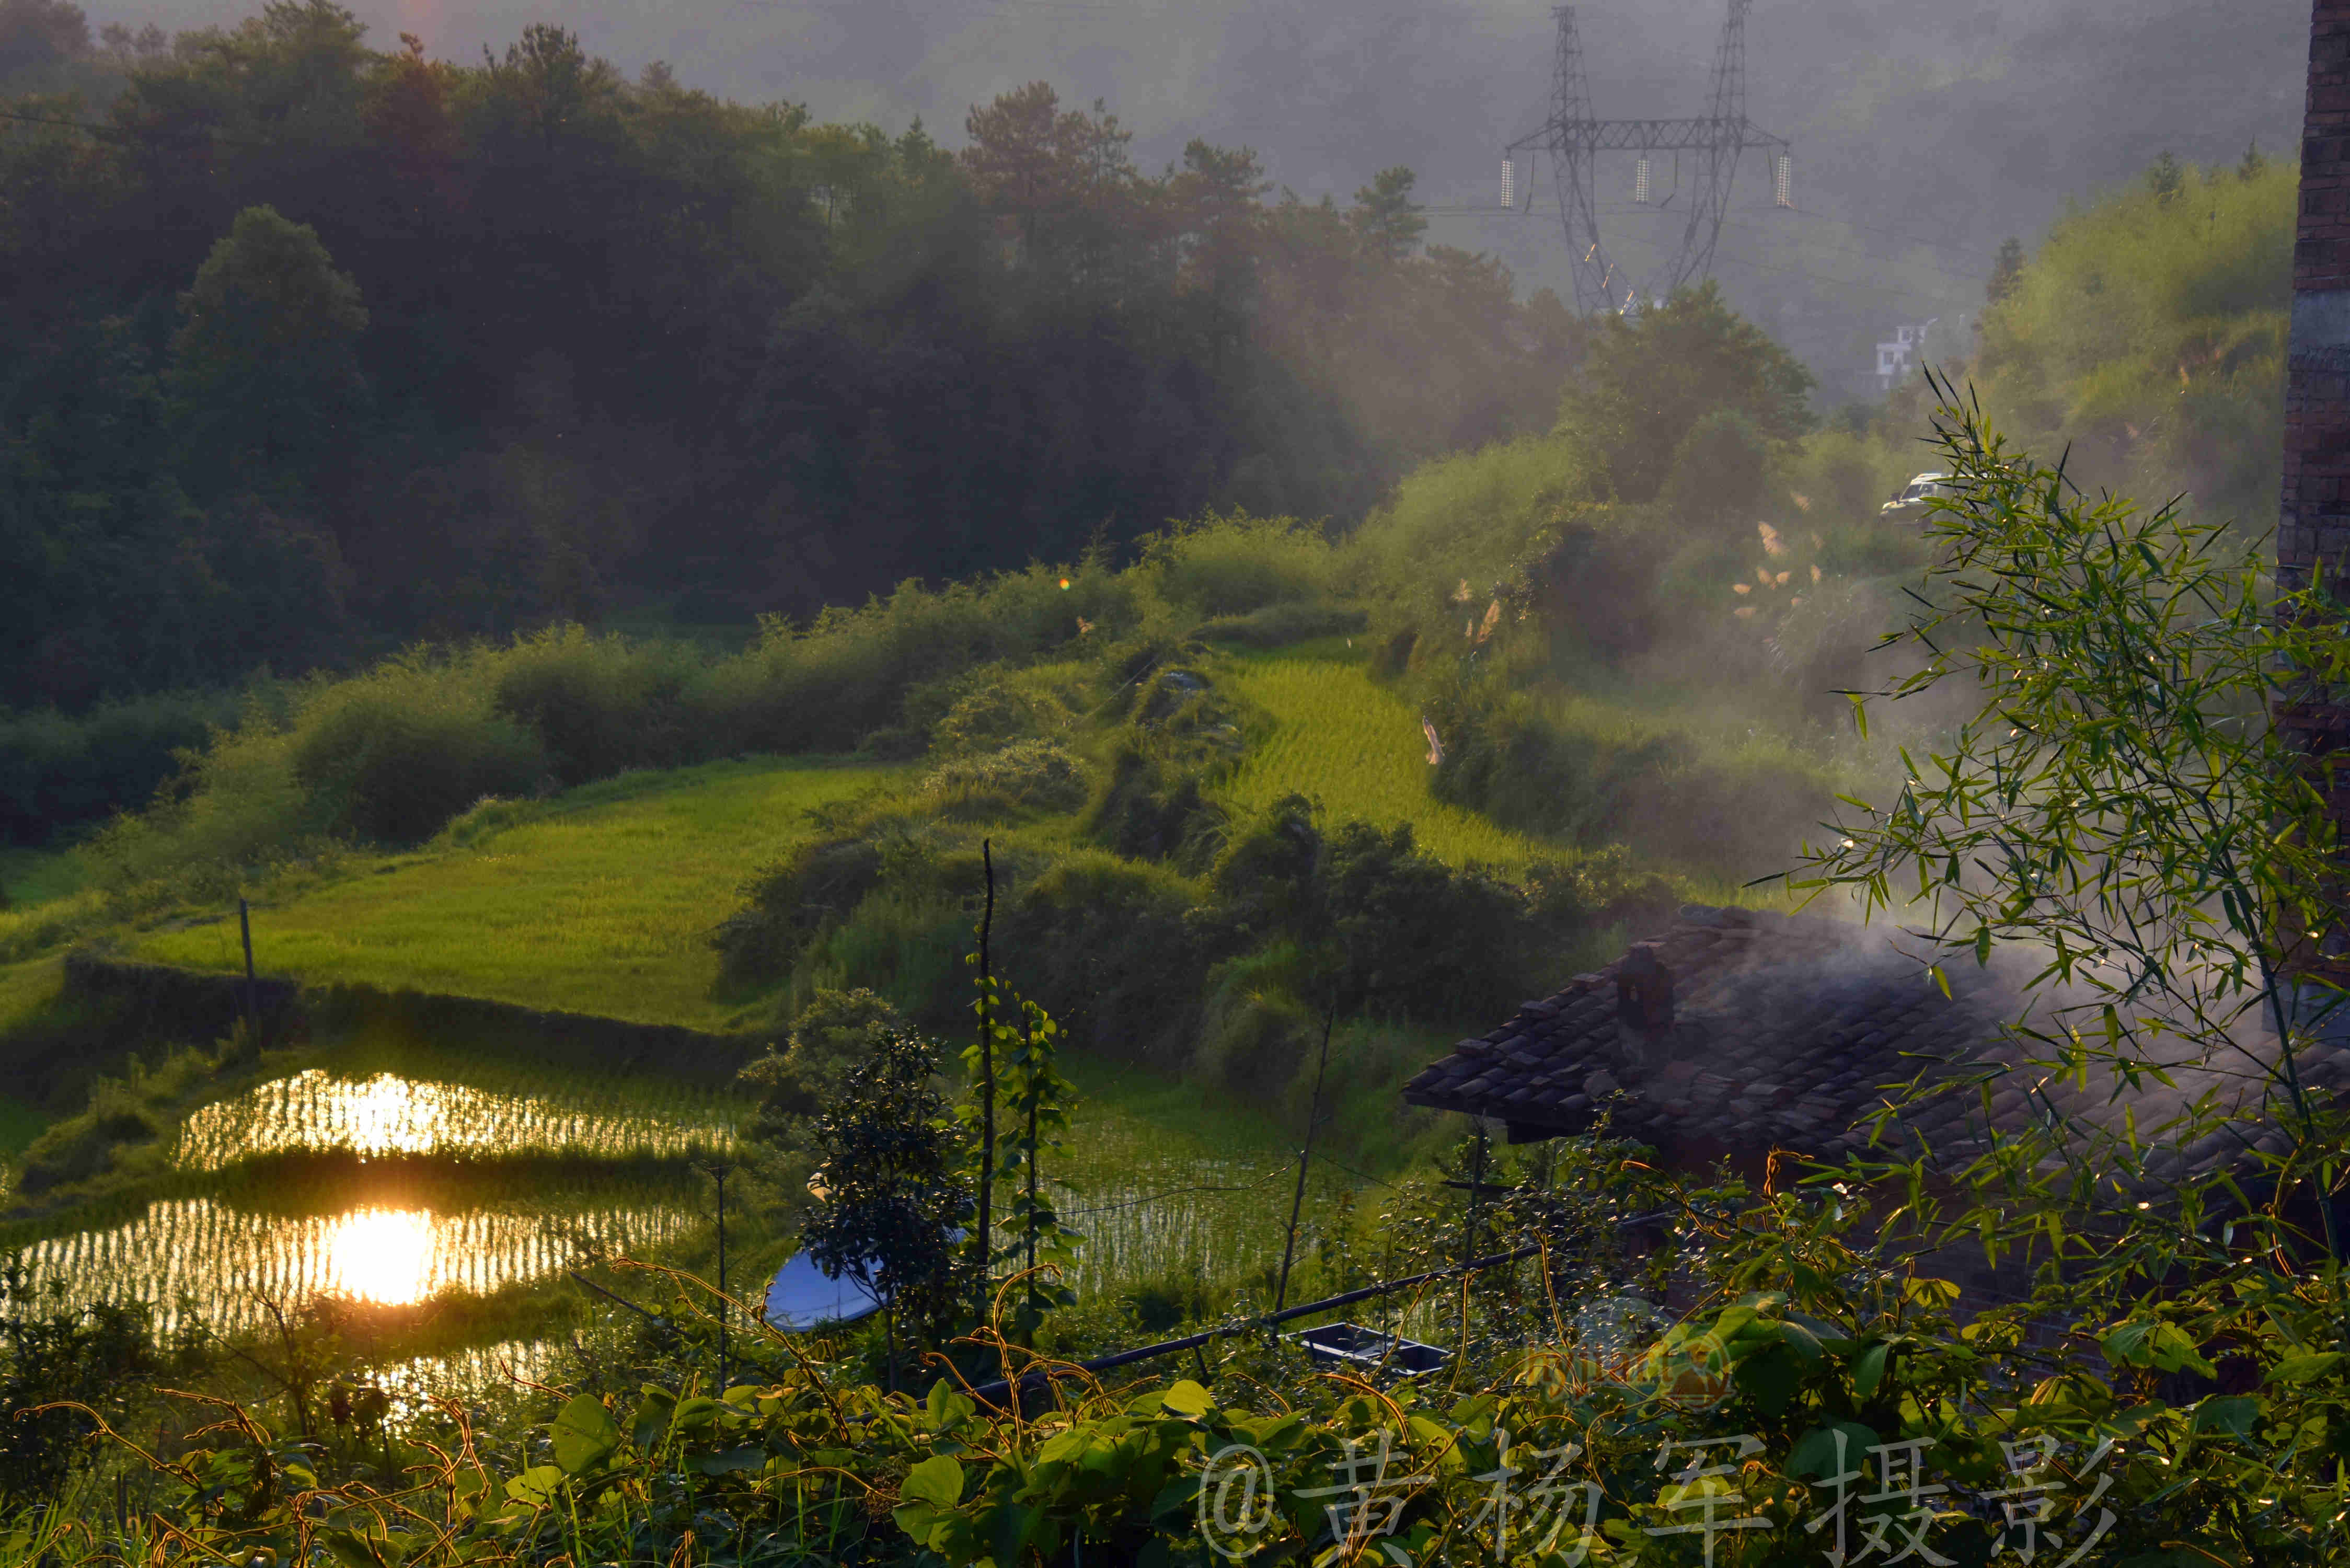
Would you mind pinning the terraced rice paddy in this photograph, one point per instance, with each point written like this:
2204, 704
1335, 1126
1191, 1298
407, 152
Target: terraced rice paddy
221, 1264
1349, 741
386, 1113
1161, 1184
599, 902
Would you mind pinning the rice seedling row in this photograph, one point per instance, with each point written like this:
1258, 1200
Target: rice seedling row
385, 1114
205, 1260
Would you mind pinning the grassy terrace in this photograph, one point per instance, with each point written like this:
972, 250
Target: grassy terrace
1355, 745
600, 901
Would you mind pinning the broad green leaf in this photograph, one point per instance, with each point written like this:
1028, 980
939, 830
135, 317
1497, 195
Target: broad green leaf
585, 1435
1814, 1453
1868, 1370
536, 1486
2235, 1413
351, 1551
2305, 1368
1188, 1398
937, 1480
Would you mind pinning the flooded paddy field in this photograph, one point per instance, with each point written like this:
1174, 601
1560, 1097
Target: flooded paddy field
398, 1183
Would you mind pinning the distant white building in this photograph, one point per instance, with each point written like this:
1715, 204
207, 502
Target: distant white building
1897, 358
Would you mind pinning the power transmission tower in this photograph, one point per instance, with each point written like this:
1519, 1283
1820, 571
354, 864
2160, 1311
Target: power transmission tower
1574, 137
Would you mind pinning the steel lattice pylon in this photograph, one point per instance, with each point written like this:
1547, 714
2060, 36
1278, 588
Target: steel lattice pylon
1574, 137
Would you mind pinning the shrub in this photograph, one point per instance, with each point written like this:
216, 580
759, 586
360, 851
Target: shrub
832, 1034
1038, 774
1110, 949
58, 773
821, 882
392, 757
1152, 810
1234, 563
1280, 625
599, 705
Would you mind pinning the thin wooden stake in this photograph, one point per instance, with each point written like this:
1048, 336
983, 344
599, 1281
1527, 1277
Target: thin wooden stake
1313, 1120
986, 1084
251, 1000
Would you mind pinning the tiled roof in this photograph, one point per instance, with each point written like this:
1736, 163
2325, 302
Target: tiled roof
1782, 1031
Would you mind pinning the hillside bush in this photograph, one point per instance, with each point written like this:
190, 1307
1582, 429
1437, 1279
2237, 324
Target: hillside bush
599, 705
1039, 776
829, 1038
392, 757
1573, 773
1233, 565
58, 773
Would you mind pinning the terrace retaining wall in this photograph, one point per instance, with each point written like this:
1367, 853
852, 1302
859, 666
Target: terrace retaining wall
198, 1006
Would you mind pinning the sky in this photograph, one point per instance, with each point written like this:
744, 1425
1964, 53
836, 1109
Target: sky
1925, 132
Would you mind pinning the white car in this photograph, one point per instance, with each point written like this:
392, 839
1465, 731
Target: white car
1921, 489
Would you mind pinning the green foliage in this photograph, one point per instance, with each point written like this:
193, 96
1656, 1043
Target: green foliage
892, 1187
2171, 376
1236, 563
599, 706
1018, 1107
58, 775
831, 1038
61, 1374
391, 758
1594, 776
1038, 776
575, 421
264, 360
1716, 481
1650, 379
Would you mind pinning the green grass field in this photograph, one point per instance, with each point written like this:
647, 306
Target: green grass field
1357, 747
37, 876
602, 903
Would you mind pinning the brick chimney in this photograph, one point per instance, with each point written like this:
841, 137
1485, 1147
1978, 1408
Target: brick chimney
2314, 522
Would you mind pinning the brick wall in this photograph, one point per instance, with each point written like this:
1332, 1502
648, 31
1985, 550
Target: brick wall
2313, 521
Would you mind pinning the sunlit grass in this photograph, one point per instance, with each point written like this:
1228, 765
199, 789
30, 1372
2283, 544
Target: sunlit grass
1357, 747
601, 904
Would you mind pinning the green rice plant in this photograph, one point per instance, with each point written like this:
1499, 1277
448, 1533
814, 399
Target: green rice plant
1342, 738
1162, 1179
385, 1114
602, 904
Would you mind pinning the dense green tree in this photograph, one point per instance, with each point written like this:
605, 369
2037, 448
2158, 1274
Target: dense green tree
264, 366
1386, 217
2005, 269
630, 347
1650, 379
892, 1188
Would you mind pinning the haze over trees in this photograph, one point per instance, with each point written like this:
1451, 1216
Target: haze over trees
313, 349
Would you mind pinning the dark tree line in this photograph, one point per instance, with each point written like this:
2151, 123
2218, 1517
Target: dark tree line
307, 349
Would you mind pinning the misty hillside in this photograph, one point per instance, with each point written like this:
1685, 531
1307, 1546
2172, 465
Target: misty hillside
1924, 133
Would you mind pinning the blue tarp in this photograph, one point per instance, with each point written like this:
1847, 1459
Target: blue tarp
801, 1298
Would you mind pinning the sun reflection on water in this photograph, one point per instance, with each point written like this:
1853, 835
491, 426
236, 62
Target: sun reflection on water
382, 1255
390, 1115
201, 1257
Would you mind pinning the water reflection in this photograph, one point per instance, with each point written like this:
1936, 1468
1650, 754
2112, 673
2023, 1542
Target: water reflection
387, 1115
223, 1262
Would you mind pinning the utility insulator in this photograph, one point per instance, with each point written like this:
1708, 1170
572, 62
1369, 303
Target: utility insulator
1782, 180
1509, 184
1641, 180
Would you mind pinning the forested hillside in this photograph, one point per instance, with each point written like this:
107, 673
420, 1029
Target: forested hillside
310, 347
